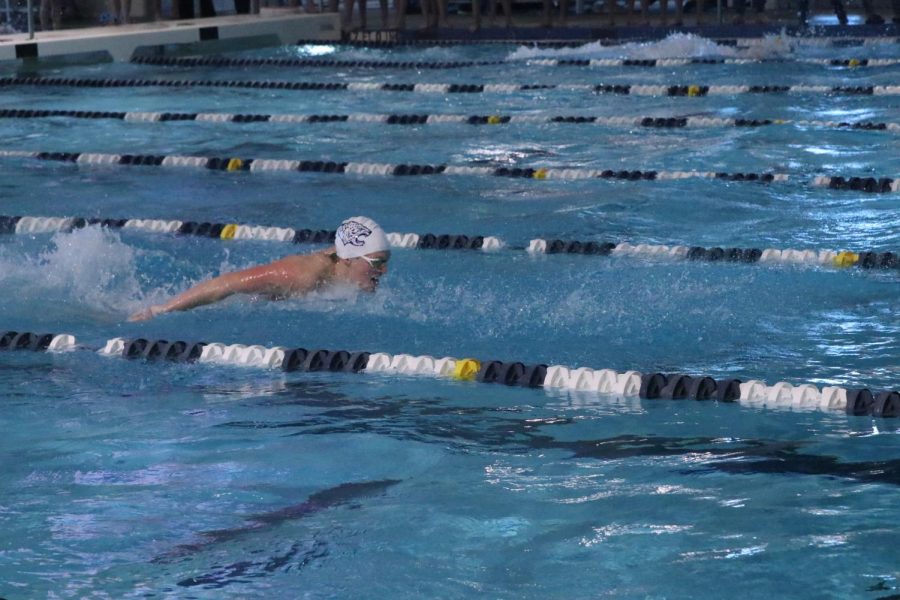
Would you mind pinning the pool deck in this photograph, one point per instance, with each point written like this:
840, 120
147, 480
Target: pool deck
121, 41
529, 27
286, 26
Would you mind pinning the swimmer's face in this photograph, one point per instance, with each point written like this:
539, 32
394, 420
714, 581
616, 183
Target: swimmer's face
365, 271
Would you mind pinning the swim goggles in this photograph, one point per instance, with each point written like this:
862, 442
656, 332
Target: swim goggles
375, 263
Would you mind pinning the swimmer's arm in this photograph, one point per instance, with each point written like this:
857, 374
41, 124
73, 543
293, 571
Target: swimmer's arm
275, 279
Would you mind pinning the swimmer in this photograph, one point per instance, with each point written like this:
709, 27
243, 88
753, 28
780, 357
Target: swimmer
359, 256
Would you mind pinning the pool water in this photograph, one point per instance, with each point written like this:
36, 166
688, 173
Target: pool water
126, 479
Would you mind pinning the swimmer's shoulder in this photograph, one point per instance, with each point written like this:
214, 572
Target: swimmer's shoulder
306, 271
314, 261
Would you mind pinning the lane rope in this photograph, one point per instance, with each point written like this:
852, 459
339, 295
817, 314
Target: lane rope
677, 386
689, 90
238, 231
389, 38
233, 164
431, 119
840, 259
220, 61
862, 184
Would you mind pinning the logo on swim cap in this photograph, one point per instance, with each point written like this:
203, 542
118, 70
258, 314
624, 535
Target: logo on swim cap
353, 233
358, 236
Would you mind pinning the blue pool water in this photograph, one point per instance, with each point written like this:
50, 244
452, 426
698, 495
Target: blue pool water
126, 479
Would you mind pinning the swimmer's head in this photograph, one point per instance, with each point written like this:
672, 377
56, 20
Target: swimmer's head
359, 236
365, 250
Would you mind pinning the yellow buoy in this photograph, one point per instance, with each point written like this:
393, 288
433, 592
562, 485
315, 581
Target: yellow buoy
466, 369
845, 259
228, 232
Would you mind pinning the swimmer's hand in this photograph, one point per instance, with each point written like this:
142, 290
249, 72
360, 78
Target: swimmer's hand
147, 313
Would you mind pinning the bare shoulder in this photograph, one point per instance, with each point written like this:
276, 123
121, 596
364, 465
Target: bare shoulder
303, 263
302, 273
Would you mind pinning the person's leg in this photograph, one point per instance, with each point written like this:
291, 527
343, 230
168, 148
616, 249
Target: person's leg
872, 17
383, 7
125, 17
645, 12
610, 11
44, 13
545, 19
839, 11
426, 12
441, 13
476, 15
563, 12
349, 16
507, 13
739, 7
400, 6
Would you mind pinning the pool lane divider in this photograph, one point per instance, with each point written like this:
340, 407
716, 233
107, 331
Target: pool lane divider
233, 164
427, 119
220, 61
390, 38
687, 90
238, 231
648, 386
428, 241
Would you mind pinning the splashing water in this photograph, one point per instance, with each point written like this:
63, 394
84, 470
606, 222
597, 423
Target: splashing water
88, 271
676, 45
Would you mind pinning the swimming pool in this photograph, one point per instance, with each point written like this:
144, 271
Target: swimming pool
133, 478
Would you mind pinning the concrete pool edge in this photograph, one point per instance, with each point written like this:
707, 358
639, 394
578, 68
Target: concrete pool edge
121, 42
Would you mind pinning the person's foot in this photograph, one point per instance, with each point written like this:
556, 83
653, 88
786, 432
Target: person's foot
874, 19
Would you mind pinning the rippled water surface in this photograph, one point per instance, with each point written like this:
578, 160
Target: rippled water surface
126, 479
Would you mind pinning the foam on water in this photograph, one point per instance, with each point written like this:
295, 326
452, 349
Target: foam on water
676, 45
89, 272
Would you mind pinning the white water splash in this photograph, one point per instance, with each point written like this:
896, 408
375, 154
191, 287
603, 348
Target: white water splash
676, 45
88, 272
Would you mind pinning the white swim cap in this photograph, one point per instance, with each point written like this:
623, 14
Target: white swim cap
358, 236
